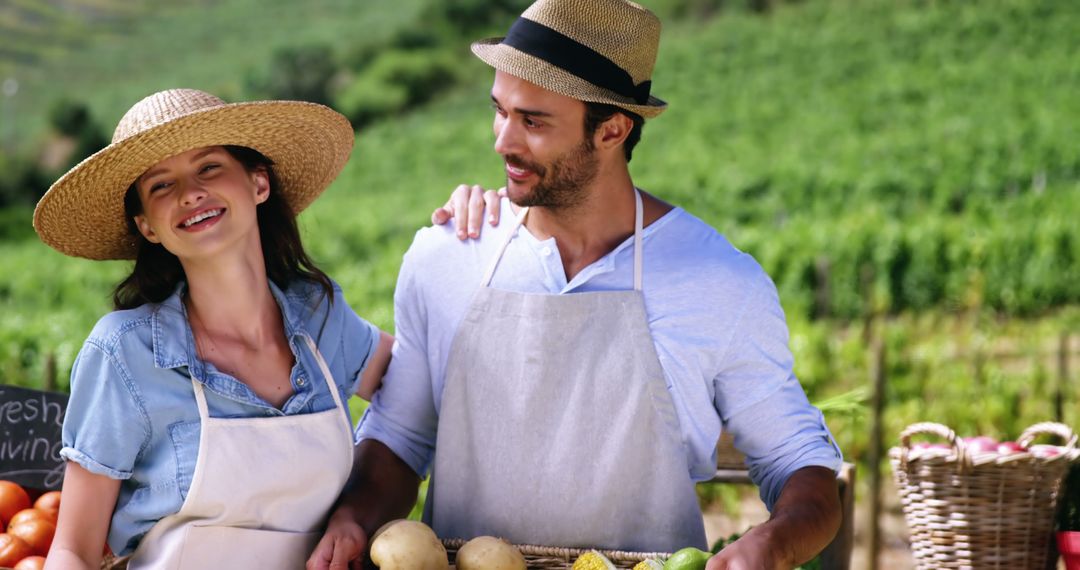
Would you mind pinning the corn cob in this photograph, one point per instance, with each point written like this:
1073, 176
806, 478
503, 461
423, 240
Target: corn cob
592, 560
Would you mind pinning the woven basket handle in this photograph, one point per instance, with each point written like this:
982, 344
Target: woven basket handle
933, 429
1049, 428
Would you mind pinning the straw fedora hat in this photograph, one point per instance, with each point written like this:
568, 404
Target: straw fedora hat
82, 214
601, 51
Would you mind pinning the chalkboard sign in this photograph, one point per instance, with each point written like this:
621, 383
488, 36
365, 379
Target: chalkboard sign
30, 422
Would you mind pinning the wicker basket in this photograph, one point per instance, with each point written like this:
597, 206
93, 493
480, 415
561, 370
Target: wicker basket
980, 510
551, 557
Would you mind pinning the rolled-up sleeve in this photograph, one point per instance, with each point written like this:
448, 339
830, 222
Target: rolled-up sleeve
359, 341
105, 426
402, 415
762, 403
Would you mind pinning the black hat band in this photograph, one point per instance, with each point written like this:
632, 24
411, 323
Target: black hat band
576, 58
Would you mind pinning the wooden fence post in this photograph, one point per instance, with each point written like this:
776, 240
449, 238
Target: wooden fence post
48, 372
877, 374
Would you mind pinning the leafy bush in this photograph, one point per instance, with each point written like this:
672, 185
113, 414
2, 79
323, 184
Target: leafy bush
21, 183
298, 74
394, 82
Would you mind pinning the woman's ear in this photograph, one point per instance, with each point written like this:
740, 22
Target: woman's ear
145, 229
262, 184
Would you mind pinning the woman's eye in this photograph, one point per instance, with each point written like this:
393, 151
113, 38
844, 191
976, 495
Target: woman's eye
208, 168
158, 186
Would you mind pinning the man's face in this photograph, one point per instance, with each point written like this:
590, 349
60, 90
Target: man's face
541, 136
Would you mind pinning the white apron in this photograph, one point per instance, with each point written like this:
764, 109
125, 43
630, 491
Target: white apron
556, 426
261, 490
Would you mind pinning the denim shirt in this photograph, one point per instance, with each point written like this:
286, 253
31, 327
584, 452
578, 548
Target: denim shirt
132, 413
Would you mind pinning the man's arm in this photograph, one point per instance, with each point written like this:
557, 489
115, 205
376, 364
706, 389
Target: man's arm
381, 488
791, 455
804, 520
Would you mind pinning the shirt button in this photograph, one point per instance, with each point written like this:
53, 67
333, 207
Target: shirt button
546, 251
300, 381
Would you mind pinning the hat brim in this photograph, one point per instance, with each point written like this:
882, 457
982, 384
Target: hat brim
82, 214
535, 70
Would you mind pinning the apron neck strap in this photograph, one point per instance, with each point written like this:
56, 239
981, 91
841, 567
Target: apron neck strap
639, 217
502, 248
204, 411
639, 220
200, 399
327, 376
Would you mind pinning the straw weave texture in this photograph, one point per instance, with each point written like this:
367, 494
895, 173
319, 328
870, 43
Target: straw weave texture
622, 31
980, 510
82, 214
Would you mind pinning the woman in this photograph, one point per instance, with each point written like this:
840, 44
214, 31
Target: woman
207, 425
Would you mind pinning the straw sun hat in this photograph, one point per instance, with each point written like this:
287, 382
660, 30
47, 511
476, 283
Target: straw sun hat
601, 51
82, 214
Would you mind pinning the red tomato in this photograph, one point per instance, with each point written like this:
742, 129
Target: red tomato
31, 563
48, 502
13, 549
13, 499
38, 533
30, 514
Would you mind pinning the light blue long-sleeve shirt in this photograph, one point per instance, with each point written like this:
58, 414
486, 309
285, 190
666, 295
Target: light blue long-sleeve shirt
714, 316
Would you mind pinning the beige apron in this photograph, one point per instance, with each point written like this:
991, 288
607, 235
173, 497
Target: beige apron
260, 493
556, 426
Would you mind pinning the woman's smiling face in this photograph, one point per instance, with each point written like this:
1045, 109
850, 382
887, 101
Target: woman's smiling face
201, 202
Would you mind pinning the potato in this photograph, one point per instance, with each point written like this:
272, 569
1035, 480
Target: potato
489, 553
408, 545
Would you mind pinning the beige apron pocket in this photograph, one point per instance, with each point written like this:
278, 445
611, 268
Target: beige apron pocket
238, 548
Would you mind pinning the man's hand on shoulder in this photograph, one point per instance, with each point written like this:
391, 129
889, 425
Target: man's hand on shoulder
466, 207
342, 546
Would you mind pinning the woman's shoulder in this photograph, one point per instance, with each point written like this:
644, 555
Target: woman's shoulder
309, 306
116, 325
307, 297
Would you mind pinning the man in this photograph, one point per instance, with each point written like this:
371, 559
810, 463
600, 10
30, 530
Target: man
565, 378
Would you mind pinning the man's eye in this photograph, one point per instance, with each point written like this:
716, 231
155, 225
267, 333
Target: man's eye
532, 123
498, 110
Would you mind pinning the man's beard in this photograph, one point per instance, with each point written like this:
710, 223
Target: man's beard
562, 184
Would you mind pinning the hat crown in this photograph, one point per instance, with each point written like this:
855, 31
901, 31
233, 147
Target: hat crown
162, 107
624, 32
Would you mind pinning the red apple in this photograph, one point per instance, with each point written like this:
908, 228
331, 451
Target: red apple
1044, 450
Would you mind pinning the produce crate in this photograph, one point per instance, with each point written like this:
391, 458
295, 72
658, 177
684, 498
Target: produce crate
552, 558
967, 509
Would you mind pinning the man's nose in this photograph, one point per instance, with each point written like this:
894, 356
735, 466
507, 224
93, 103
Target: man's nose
507, 137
